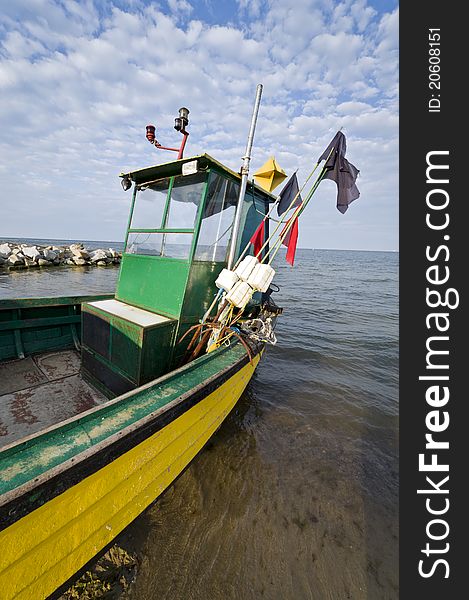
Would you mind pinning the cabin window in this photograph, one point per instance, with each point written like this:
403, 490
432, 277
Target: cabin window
172, 245
164, 216
185, 199
253, 211
217, 219
150, 204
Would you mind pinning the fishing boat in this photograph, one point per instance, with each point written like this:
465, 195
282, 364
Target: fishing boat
105, 400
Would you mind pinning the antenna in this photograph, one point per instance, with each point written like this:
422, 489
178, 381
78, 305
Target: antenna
244, 176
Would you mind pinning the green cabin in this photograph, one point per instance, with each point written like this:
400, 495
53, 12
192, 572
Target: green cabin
177, 242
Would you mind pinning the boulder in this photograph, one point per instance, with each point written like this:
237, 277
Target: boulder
31, 252
101, 263
30, 263
59, 251
42, 262
2, 261
80, 253
49, 254
78, 261
5, 250
16, 259
98, 255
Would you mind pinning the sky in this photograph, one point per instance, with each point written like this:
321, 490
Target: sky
80, 80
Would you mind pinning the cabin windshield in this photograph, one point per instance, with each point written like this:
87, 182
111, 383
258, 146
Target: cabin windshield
167, 213
217, 219
254, 208
164, 216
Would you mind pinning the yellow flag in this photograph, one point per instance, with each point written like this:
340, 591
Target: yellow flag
270, 175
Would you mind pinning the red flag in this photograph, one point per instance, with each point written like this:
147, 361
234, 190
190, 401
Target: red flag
291, 240
258, 238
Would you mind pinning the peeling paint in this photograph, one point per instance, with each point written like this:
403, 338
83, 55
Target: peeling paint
22, 463
26, 410
45, 457
21, 409
83, 401
56, 365
33, 378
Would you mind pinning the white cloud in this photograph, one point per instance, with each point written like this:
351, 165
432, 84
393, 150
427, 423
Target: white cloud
16, 45
180, 6
252, 8
352, 108
80, 86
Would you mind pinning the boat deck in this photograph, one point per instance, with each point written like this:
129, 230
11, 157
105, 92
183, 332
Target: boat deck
42, 390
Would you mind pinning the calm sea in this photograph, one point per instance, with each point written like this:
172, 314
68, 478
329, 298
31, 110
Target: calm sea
296, 496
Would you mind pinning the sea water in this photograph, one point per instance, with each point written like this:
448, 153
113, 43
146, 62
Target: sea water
296, 496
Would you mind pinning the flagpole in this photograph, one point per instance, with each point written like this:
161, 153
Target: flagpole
281, 222
244, 177
297, 212
290, 221
276, 247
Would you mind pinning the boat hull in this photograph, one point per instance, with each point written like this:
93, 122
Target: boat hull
48, 545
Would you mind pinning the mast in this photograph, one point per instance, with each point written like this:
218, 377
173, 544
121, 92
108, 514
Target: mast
244, 177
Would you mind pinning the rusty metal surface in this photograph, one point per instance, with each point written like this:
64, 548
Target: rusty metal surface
19, 374
42, 390
56, 365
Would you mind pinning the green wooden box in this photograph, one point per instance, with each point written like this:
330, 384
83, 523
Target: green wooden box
123, 346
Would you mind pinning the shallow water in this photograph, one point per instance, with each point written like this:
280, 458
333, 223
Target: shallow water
296, 495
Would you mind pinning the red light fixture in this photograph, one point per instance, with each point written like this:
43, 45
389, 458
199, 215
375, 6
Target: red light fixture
151, 133
180, 124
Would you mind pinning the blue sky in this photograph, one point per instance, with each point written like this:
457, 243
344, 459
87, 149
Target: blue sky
80, 80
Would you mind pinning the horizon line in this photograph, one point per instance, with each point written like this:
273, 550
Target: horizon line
14, 238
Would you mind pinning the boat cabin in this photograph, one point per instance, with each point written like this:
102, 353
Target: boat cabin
177, 242
76, 352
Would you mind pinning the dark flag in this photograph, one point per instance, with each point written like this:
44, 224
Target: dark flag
288, 194
341, 171
258, 238
291, 240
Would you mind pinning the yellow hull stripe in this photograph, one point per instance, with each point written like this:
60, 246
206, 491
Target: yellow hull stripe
44, 549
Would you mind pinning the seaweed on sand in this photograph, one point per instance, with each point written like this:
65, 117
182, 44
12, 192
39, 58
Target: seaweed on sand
110, 577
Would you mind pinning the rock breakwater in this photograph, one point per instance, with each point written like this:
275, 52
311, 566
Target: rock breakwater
23, 256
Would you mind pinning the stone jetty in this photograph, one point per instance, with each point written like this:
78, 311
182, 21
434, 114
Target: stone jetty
24, 256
